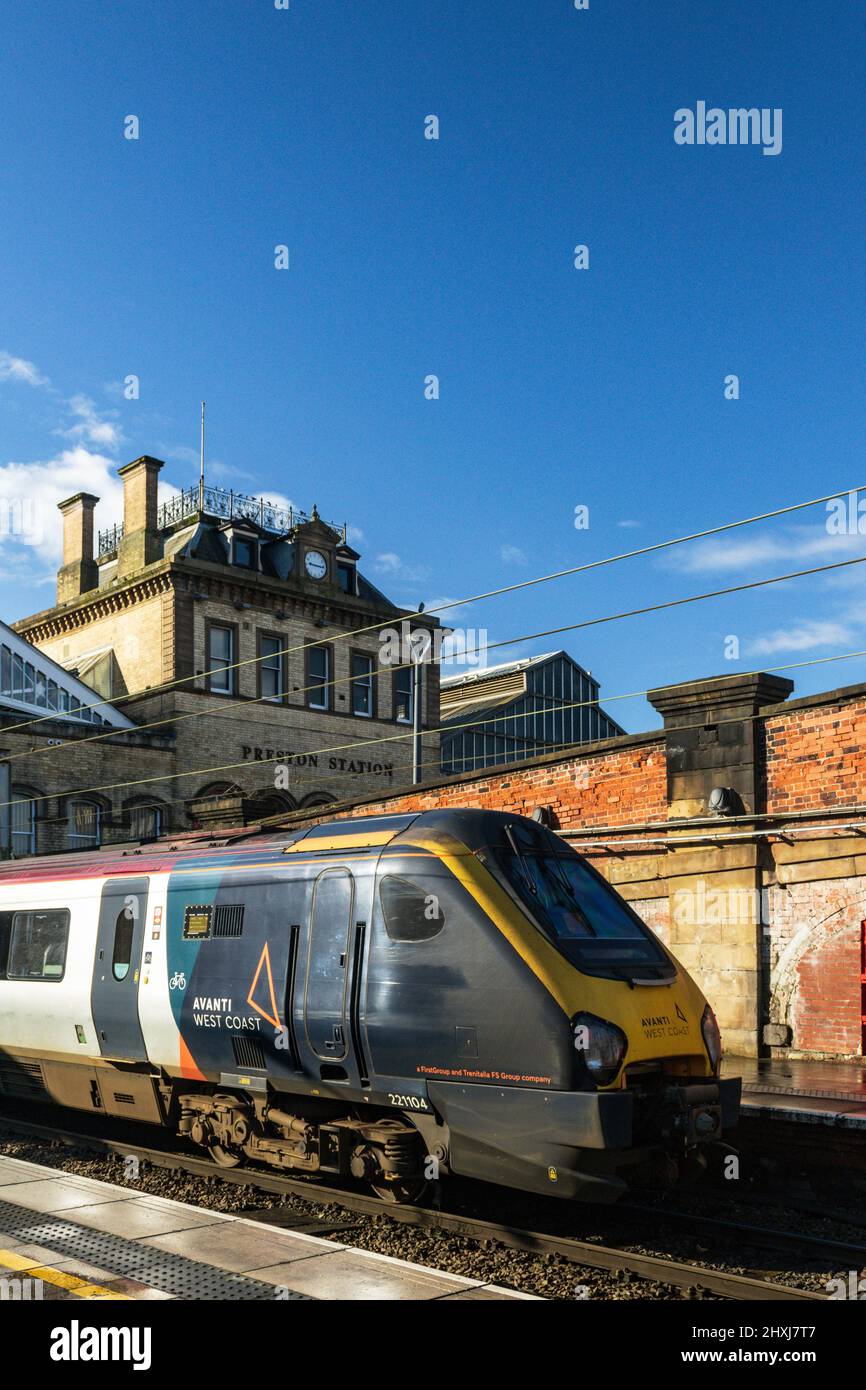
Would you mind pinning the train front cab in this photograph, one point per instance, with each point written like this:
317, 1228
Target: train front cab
563, 1048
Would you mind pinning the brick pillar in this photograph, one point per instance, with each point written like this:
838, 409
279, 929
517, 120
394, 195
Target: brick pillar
714, 739
140, 544
78, 573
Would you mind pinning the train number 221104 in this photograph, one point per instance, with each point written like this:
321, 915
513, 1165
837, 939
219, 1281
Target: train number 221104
408, 1102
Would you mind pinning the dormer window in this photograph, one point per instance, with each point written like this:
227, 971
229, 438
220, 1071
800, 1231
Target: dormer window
245, 552
346, 577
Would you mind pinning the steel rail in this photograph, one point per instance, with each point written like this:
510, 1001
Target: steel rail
590, 1254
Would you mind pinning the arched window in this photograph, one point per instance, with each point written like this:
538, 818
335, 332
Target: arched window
317, 799
217, 789
146, 820
218, 803
262, 804
84, 824
23, 821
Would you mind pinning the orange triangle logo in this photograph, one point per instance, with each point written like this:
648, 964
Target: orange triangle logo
264, 964
188, 1065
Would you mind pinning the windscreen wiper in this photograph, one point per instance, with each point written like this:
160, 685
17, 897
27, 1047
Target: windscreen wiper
518, 854
569, 888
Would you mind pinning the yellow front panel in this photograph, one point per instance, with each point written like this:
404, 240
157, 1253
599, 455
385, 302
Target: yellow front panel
658, 1020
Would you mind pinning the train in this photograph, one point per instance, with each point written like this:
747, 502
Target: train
393, 999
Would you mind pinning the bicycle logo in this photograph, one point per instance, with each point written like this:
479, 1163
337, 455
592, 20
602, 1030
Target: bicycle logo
178, 980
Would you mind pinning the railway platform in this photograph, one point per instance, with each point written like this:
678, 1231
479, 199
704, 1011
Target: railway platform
69, 1237
829, 1094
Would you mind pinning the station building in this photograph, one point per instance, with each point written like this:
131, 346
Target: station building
241, 636
61, 748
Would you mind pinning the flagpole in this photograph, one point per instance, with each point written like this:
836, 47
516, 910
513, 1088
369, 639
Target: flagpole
201, 465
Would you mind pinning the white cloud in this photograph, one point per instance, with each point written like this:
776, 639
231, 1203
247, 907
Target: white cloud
389, 563
805, 636
92, 426
32, 491
19, 369
513, 555
628, 525
799, 548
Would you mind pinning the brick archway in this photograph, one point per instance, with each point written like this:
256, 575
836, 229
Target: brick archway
815, 982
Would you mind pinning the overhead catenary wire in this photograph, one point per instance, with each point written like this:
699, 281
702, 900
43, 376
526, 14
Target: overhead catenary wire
484, 772
405, 615
490, 646
406, 734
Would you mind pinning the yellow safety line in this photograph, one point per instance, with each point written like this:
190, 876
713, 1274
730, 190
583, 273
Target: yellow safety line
80, 1288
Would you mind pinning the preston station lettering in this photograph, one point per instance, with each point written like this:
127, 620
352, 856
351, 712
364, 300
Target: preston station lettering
283, 755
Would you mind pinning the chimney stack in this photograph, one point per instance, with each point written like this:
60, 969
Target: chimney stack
140, 543
78, 573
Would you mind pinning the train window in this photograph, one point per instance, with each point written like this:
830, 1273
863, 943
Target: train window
123, 933
410, 913
589, 922
37, 950
5, 934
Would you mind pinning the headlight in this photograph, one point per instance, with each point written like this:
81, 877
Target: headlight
712, 1037
600, 1047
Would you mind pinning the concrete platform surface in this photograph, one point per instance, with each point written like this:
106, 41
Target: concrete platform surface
826, 1080
818, 1093
68, 1237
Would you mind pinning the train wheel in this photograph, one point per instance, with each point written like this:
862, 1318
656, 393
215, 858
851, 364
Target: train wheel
408, 1191
225, 1158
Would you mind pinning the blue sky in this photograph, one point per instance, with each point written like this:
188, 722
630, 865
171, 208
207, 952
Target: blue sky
453, 257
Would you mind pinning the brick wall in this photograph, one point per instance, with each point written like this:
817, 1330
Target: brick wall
814, 962
622, 782
56, 761
248, 740
816, 755
135, 635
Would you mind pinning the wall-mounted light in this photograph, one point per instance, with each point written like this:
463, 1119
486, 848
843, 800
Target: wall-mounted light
722, 801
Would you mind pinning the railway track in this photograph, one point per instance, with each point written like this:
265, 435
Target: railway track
589, 1254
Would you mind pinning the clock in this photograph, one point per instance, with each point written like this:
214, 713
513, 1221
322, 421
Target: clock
315, 564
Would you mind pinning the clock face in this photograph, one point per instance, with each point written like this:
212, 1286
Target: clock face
315, 564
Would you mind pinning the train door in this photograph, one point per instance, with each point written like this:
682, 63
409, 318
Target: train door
114, 993
334, 960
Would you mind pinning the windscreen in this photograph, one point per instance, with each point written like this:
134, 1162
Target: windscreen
579, 911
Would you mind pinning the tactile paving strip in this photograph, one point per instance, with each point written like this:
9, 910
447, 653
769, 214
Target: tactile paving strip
174, 1274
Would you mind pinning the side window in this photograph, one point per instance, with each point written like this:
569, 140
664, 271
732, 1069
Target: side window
37, 950
5, 937
409, 913
124, 928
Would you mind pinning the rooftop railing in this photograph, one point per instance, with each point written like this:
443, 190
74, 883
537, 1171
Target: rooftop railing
226, 505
